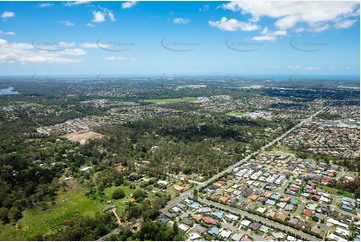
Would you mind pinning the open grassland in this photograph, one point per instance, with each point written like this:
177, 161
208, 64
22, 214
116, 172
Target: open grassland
70, 204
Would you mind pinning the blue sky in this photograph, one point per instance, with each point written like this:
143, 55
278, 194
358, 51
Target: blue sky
194, 38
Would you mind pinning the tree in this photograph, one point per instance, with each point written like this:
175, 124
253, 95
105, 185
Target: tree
139, 194
4, 212
187, 170
195, 194
118, 194
15, 214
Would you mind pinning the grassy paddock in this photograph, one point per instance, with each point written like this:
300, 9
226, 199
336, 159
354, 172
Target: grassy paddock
337, 192
70, 204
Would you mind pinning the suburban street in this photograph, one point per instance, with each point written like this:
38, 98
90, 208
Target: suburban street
259, 218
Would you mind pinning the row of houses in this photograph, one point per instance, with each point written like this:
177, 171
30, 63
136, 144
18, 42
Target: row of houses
199, 222
329, 140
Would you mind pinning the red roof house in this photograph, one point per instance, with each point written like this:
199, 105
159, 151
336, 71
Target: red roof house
209, 220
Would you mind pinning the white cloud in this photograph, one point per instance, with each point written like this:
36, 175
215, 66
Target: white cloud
89, 45
307, 68
265, 30
264, 38
2, 41
119, 58
66, 44
7, 14
287, 22
319, 27
7, 33
75, 3
111, 15
90, 25
332, 68
280, 32
73, 52
233, 25
289, 14
14, 52
345, 24
66, 23
267, 35
312, 68
98, 17
299, 30
181, 21
129, 4
46, 5
204, 8
297, 67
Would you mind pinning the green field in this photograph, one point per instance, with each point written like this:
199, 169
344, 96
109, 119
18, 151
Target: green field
171, 100
236, 114
120, 203
337, 192
69, 205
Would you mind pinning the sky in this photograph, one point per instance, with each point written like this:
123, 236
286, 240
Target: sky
180, 38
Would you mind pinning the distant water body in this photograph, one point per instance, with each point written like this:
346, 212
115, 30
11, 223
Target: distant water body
8, 91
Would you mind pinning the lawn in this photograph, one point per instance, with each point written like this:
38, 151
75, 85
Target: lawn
120, 203
337, 192
171, 100
236, 114
280, 149
172, 192
69, 204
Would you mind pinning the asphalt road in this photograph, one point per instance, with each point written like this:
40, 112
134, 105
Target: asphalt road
259, 218
114, 232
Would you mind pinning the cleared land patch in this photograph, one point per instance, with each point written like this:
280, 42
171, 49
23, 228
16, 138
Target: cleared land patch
337, 191
83, 136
